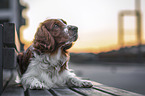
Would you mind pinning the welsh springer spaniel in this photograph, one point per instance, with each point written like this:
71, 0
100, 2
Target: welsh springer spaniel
44, 64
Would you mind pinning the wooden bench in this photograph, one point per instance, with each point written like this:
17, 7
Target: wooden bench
9, 47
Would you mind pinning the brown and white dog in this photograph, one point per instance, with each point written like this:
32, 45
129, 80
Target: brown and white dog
44, 64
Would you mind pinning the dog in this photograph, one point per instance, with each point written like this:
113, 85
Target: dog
44, 64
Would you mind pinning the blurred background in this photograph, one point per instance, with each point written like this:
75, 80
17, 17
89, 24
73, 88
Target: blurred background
111, 44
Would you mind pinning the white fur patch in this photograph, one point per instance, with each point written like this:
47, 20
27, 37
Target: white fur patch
44, 70
66, 30
18, 80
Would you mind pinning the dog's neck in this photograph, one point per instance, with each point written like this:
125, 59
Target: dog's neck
51, 60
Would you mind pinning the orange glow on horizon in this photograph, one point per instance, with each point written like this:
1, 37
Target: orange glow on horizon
97, 24
87, 50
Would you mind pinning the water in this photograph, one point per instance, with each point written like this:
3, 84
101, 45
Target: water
129, 77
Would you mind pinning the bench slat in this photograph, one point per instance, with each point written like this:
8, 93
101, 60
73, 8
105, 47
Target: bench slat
39, 93
9, 58
10, 37
1, 80
13, 91
65, 92
1, 62
8, 76
90, 92
116, 91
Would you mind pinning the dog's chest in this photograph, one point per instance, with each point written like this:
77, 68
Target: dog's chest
49, 63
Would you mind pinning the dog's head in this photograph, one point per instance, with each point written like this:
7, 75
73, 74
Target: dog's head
54, 33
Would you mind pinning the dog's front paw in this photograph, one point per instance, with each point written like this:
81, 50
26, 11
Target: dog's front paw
80, 83
86, 84
35, 84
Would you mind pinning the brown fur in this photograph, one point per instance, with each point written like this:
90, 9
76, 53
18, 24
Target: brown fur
23, 60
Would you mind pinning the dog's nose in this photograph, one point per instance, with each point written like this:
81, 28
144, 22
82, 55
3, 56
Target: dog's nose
73, 28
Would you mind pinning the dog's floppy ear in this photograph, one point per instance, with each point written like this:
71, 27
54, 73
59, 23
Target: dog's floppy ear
44, 41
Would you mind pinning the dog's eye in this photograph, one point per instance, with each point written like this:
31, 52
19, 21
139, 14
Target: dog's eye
55, 26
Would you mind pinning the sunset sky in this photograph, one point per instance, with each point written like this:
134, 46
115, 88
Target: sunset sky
97, 21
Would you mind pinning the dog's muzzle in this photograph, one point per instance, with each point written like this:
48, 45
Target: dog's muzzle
73, 28
73, 31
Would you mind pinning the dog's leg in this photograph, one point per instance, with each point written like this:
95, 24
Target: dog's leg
76, 82
32, 83
36, 84
73, 81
